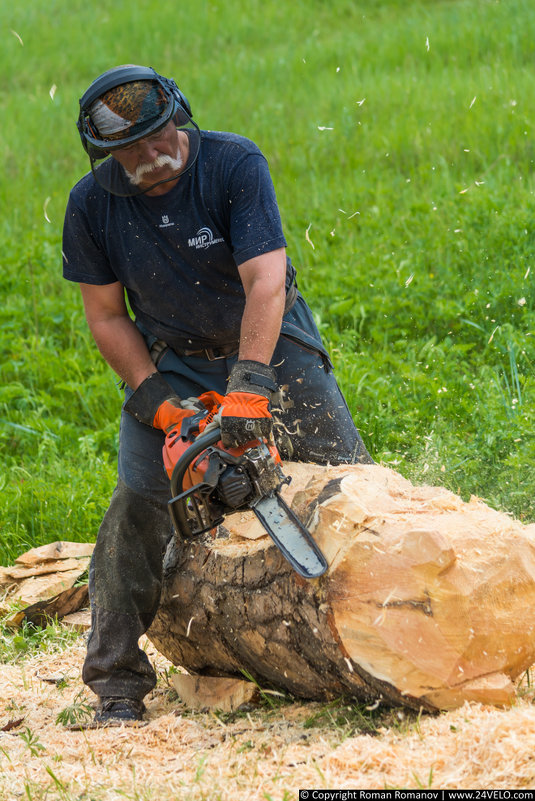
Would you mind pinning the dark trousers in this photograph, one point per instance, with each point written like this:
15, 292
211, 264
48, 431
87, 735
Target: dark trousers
312, 423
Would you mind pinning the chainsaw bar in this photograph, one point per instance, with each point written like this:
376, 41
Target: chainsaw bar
290, 536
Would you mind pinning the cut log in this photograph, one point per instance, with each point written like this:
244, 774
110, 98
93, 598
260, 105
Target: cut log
429, 601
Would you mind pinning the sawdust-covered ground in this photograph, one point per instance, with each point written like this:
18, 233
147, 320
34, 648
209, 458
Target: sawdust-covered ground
265, 753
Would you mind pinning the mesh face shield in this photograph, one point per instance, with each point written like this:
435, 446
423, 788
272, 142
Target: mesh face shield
126, 105
113, 177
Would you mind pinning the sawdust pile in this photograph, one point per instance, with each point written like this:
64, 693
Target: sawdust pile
252, 756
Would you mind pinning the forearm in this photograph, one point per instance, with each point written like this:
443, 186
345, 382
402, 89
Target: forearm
260, 327
264, 283
123, 347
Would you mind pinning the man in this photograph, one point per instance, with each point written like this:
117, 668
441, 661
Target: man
185, 224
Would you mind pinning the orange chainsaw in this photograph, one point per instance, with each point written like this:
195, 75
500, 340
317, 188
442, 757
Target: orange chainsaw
209, 481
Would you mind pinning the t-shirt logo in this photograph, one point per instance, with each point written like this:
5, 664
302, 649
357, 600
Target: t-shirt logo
204, 238
165, 221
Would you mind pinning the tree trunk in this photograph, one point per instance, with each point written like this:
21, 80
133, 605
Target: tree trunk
428, 600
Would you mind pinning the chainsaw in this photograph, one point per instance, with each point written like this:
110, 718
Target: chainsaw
209, 481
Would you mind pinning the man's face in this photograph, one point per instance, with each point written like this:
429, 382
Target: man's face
153, 158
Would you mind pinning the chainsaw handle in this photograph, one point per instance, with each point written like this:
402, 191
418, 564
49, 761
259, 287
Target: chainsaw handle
196, 448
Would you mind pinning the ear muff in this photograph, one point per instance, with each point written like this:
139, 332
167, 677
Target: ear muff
183, 112
180, 111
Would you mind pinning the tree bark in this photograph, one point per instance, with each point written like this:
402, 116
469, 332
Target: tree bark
428, 600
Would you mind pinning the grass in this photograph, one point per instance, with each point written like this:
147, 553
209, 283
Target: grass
400, 138
21, 643
353, 719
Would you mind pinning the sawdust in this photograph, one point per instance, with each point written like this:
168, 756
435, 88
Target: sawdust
252, 756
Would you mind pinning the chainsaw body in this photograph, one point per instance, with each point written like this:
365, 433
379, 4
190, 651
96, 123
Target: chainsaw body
209, 481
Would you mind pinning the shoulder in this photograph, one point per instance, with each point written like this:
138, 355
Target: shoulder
230, 143
86, 192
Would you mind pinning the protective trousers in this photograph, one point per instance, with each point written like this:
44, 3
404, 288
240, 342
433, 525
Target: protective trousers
312, 423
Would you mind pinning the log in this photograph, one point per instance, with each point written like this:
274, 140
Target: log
429, 601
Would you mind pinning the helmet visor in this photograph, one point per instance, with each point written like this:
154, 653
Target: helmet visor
110, 169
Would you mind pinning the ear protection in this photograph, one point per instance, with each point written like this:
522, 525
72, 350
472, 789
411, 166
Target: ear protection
178, 106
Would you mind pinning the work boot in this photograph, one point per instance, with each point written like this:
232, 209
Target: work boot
114, 711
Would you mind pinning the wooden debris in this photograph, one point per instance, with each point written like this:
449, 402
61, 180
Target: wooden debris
79, 620
61, 549
205, 693
65, 603
42, 582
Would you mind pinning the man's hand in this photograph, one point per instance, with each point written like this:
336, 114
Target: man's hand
245, 413
170, 413
156, 404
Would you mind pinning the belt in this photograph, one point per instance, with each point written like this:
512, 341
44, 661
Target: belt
159, 347
211, 353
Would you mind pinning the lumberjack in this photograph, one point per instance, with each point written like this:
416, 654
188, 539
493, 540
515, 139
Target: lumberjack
184, 225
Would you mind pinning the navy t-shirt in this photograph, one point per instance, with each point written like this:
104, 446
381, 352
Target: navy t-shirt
177, 254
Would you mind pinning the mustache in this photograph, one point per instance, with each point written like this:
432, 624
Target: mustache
162, 160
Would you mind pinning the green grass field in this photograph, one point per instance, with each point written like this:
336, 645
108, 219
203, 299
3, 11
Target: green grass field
400, 138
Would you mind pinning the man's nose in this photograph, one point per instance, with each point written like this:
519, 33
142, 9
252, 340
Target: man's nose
147, 152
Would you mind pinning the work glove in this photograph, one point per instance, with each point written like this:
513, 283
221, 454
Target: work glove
156, 404
245, 414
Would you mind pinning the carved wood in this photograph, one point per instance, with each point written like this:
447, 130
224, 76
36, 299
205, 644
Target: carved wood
428, 601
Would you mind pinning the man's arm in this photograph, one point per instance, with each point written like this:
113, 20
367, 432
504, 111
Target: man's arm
263, 279
245, 413
115, 333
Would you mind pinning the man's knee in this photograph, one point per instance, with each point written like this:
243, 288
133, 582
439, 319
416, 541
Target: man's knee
129, 552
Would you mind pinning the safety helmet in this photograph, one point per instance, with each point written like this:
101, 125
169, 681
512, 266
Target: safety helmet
122, 106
